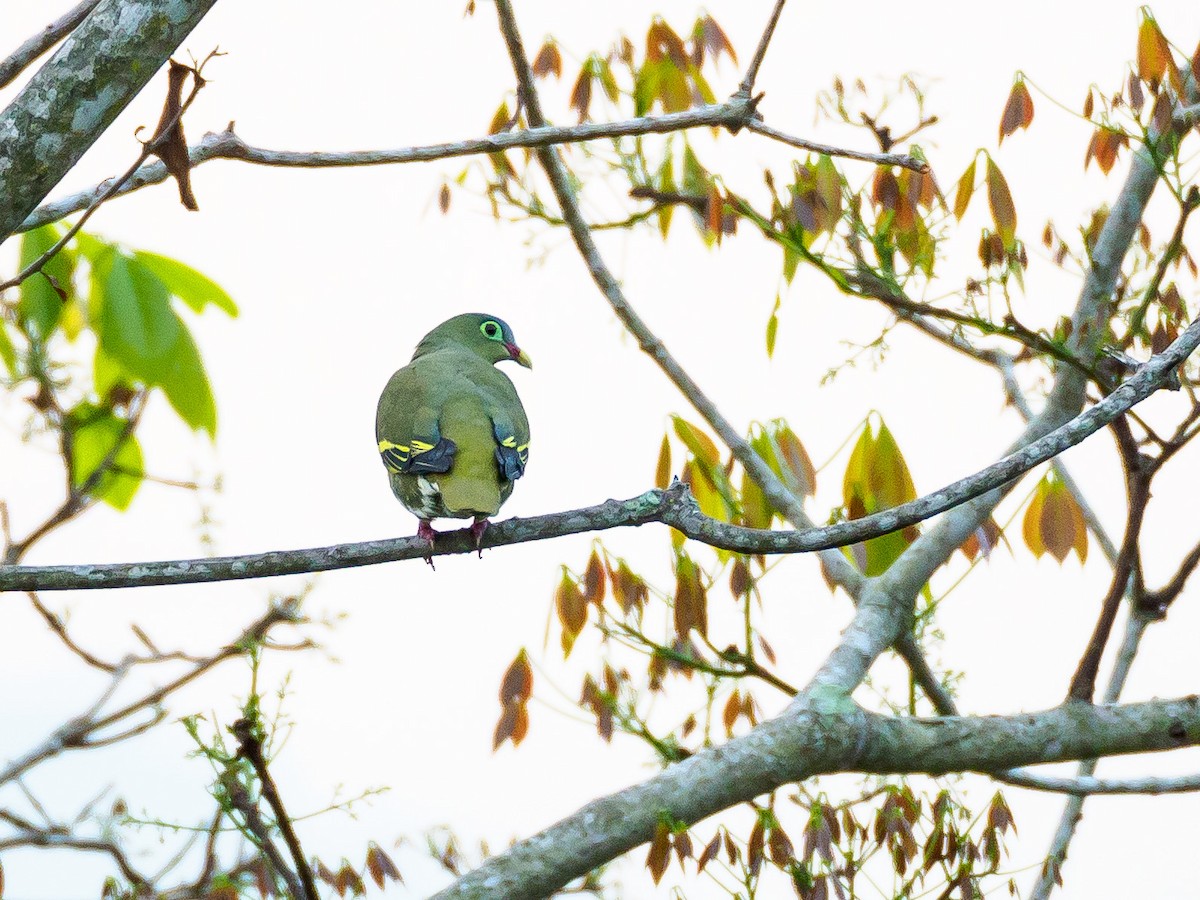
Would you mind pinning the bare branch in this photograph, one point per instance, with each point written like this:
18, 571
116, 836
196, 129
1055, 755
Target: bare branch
673, 507
23, 56
880, 159
228, 145
250, 748
1086, 785
747, 84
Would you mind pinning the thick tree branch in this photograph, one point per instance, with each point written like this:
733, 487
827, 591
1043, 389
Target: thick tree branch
807, 741
72, 99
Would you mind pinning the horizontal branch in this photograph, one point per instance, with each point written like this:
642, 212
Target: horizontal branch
1085, 785
674, 507
733, 114
836, 737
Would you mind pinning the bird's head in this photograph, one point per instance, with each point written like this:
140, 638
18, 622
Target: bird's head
480, 333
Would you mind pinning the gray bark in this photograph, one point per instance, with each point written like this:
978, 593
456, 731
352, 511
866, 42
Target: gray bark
77, 94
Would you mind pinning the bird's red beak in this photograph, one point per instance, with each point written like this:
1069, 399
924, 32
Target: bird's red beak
519, 355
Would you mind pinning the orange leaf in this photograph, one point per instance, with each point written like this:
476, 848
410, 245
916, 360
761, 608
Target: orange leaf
572, 610
1153, 53
733, 709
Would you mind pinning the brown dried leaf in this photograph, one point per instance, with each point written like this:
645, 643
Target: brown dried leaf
659, 856
754, 847
1137, 98
683, 847
380, 866
1018, 111
581, 93
571, 606
767, 649
444, 199
168, 143
593, 580
779, 846
517, 684
885, 191
349, 880
1088, 105
711, 849
548, 61
322, 871
733, 709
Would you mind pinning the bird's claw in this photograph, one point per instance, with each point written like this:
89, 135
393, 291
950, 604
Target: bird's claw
478, 527
425, 532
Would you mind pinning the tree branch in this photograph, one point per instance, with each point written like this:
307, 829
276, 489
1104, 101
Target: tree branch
747, 84
72, 99
1086, 785
227, 145
35, 46
813, 740
673, 507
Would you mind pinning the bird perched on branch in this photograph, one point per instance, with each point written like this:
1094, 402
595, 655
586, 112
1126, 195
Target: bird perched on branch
451, 429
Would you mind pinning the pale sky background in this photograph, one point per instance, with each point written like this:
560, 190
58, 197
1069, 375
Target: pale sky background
339, 273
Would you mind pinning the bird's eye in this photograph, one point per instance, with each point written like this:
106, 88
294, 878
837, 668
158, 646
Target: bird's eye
491, 330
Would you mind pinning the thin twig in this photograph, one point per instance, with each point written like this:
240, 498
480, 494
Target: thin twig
240, 799
879, 159
747, 84
730, 115
250, 748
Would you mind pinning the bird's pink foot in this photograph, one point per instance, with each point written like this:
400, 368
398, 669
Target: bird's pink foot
478, 527
426, 533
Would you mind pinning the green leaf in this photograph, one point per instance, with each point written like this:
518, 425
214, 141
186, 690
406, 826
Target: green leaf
699, 443
194, 288
645, 88
877, 478
186, 386
8, 353
93, 440
135, 322
107, 373
40, 305
666, 184
772, 328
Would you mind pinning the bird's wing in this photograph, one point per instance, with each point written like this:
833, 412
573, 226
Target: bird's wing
406, 421
510, 426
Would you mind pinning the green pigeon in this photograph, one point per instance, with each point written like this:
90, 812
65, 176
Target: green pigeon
451, 429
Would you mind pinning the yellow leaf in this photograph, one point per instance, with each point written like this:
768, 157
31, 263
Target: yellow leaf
662, 472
